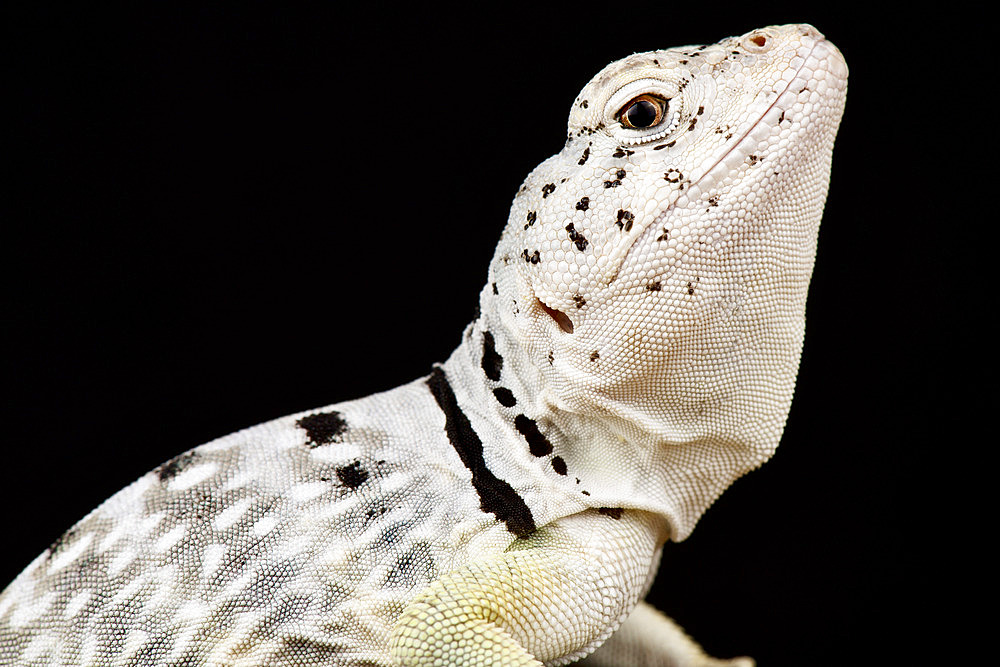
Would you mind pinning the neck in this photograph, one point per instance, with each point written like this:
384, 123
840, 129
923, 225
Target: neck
560, 460
557, 461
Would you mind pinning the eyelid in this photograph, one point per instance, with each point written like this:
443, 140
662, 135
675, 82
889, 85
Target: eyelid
633, 89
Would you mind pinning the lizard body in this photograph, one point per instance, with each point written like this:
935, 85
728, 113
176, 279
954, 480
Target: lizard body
635, 352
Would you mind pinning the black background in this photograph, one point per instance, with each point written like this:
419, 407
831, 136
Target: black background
220, 216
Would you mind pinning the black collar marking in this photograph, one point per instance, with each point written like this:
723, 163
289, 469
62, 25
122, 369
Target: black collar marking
495, 495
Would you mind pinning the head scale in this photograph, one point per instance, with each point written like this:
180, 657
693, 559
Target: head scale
655, 270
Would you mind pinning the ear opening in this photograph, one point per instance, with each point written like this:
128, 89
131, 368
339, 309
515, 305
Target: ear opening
561, 318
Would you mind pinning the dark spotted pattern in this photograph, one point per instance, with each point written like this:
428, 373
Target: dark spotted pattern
352, 475
625, 220
505, 397
492, 361
175, 466
576, 237
57, 546
619, 177
559, 465
538, 444
323, 428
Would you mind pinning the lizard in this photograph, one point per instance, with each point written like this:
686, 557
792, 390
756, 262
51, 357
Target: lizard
634, 352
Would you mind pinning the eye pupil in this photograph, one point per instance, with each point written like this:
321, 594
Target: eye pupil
642, 113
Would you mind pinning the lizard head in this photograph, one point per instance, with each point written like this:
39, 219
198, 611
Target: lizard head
654, 272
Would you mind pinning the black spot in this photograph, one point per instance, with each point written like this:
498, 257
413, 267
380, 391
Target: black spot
376, 512
673, 176
495, 495
713, 200
583, 204
559, 465
625, 220
622, 152
619, 177
533, 258
583, 104
665, 236
353, 475
57, 546
492, 361
583, 158
613, 512
693, 122
548, 189
323, 428
579, 301
495, 290
701, 110
753, 159
531, 217
538, 444
175, 466
551, 357
505, 397
595, 355
654, 286
690, 288
576, 237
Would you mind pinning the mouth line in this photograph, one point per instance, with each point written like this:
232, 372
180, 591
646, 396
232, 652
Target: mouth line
722, 158
755, 124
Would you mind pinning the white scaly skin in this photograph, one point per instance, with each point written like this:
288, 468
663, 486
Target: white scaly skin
636, 352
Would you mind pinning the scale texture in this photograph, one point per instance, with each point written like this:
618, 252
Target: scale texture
635, 352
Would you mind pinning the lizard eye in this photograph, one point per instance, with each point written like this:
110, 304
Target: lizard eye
643, 111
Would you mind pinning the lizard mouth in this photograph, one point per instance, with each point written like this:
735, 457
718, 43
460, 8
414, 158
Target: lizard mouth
781, 103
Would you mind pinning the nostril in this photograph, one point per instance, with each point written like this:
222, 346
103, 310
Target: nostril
561, 318
759, 40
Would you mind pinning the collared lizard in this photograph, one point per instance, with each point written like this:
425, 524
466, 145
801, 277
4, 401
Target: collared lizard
635, 352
